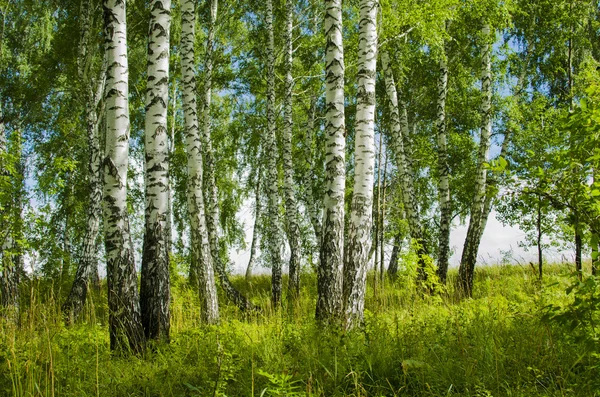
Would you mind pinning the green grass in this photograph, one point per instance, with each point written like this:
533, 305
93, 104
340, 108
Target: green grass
495, 344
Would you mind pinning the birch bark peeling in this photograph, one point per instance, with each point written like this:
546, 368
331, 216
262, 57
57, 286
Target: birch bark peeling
126, 331
361, 215
202, 264
155, 289
329, 275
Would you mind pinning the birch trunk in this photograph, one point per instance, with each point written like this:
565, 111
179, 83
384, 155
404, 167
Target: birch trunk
476, 221
210, 186
9, 278
155, 291
254, 244
273, 235
443, 171
329, 276
87, 269
311, 204
202, 267
392, 270
125, 325
400, 135
291, 205
361, 215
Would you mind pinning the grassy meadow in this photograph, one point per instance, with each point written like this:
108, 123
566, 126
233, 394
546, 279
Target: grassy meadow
503, 342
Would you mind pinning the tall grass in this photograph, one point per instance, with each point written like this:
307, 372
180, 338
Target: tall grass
495, 344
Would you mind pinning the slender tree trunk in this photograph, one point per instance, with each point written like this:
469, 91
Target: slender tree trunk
291, 205
171, 148
393, 266
539, 236
255, 229
202, 267
361, 216
329, 275
9, 277
443, 172
273, 235
311, 204
155, 292
477, 221
87, 269
578, 248
400, 134
382, 223
210, 186
377, 213
126, 329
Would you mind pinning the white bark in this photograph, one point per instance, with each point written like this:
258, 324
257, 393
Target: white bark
124, 311
329, 276
87, 269
274, 233
361, 216
443, 171
479, 206
291, 205
201, 255
400, 136
210, 185
155, 289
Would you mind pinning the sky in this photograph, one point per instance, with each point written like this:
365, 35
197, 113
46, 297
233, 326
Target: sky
497, 241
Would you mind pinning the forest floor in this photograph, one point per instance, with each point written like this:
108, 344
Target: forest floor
505, 341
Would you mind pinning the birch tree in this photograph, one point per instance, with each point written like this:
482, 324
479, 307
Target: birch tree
291, 205
125, 325
443, 169
400, 135
93, 91
155, 289
202, 264
273, 234
478, 207
361, 216
329, 275
210, 185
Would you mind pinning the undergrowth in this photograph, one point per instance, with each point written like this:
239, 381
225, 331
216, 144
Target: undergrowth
515, 337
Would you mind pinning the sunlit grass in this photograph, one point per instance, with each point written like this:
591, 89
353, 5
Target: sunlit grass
415, 345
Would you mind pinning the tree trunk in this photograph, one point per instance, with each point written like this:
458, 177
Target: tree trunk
273, 235
393, 266
155, 292
539, 236
578, 247
361, 215
443, 172
126, 331
329, 275
201, 266
311, 204
382, 223
255, 229
477, 219
9, 278
291, 205
210, 186
87, 269
400, 135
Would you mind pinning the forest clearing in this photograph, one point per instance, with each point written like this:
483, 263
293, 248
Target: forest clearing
340, 145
